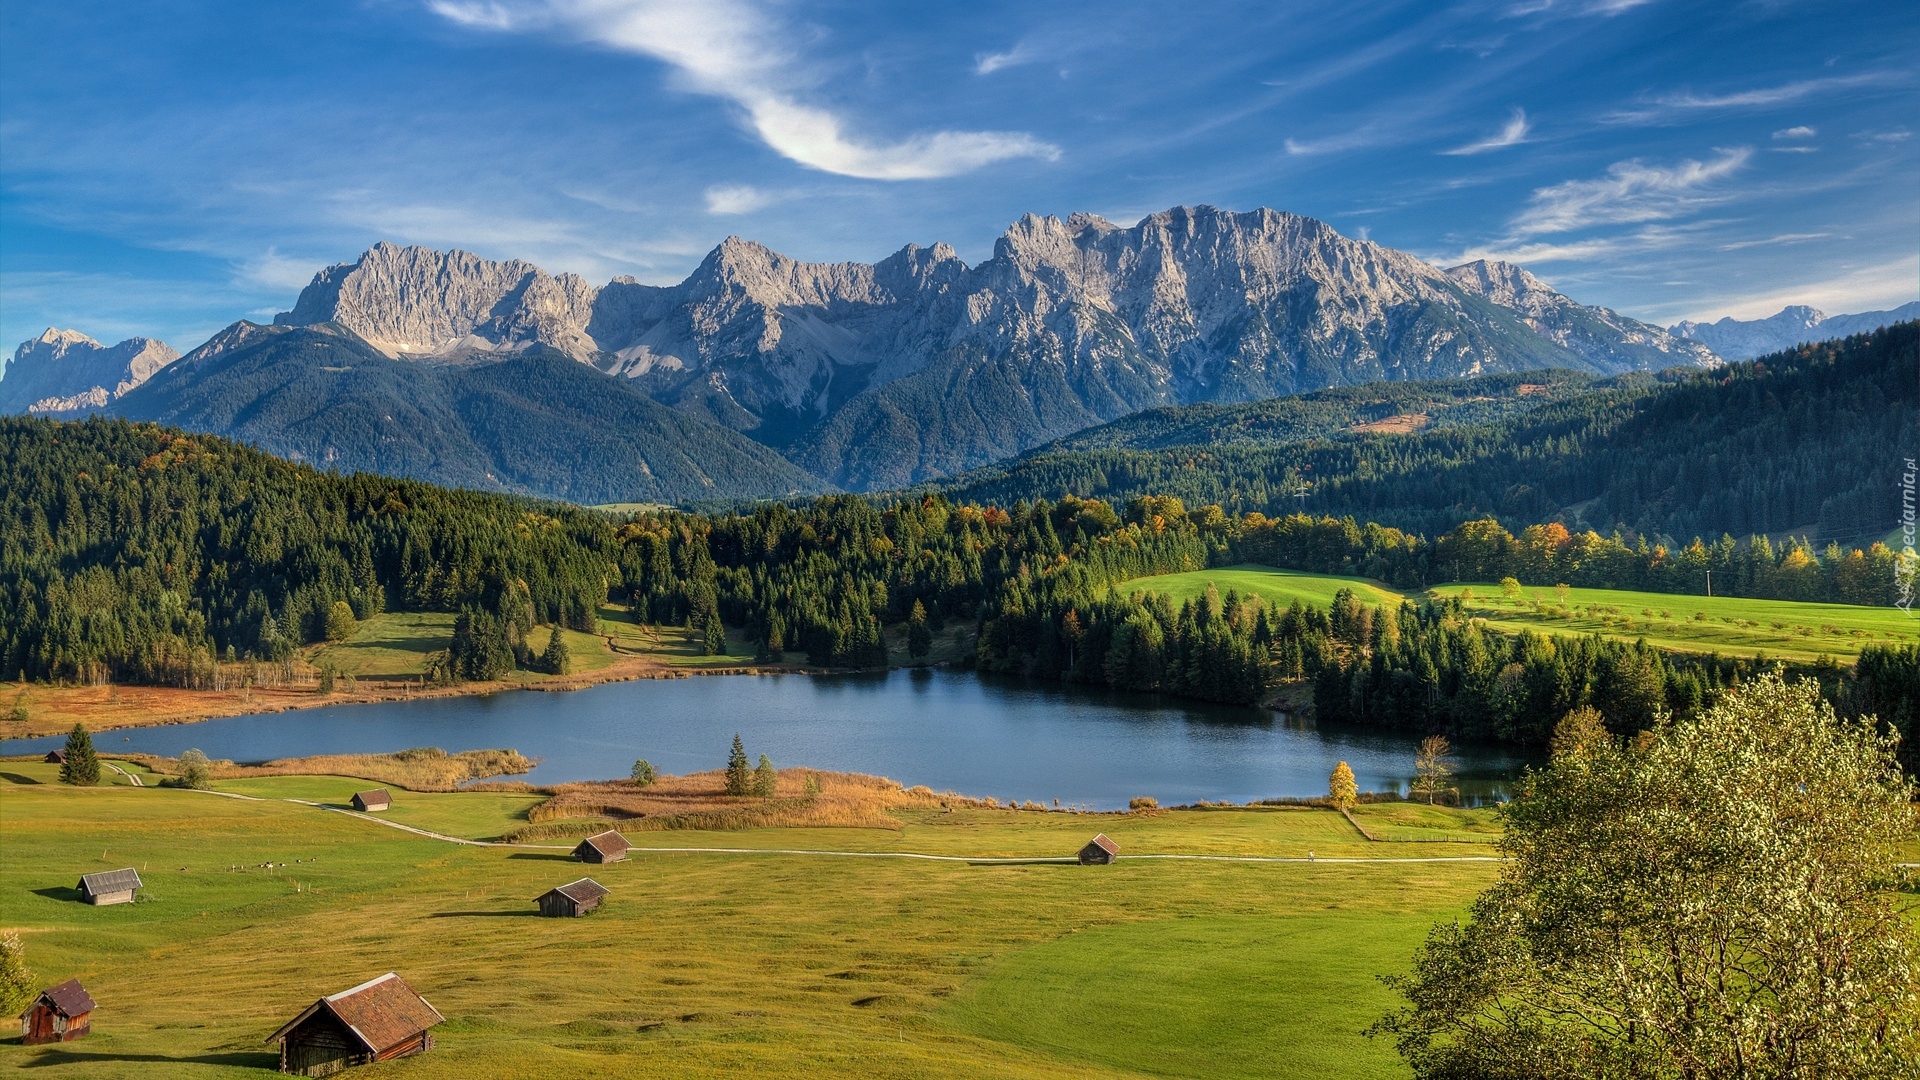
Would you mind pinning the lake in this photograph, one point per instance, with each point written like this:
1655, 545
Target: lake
957, 731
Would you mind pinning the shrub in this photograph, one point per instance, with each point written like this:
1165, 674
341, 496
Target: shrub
193, 771
340, 621
1143, 802
644, 773
17, 987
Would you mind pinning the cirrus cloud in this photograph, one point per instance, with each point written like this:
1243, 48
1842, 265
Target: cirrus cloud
1631, 191
730, 49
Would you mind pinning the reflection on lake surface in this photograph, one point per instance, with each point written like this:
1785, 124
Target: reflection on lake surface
949, 730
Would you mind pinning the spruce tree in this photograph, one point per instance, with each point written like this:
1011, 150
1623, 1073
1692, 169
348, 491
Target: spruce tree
556, 660
713, 636
919, 638
765, 780
739, 773
82, 767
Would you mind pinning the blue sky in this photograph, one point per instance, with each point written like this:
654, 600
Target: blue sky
167, 168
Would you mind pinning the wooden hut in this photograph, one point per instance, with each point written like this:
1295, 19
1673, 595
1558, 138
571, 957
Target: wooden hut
375, 1021
1099, 851
370, 802
56, 757
603, 847
110, 886
572, 900
60, 1014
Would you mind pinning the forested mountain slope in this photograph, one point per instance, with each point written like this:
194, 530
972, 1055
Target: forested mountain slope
1809, 440
534, 422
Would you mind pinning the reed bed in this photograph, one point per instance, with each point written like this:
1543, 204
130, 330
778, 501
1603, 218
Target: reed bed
423, 768
802, 798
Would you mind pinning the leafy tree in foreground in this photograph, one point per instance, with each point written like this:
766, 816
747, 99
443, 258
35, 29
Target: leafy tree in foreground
1342, 792
1714, 900
1431, 768
765, 780
82, 767
194, 772
17, 988
739, 773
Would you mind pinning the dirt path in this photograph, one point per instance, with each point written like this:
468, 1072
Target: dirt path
131, 779
970, 860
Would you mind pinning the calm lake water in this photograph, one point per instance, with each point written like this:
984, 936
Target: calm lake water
949, 730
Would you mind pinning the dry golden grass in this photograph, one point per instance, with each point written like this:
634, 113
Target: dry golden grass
700, 801
423, 769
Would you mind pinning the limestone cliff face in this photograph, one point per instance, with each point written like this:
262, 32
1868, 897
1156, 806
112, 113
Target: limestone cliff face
64, 372
1611, 341
882, 374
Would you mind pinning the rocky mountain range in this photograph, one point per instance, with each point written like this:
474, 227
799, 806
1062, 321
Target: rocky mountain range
64, 372
1735, 339
874, 376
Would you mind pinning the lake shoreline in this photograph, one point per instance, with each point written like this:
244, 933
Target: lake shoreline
53, 710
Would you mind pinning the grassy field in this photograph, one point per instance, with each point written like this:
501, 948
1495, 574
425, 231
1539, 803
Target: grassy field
1729, 625
1278, 588
722, 965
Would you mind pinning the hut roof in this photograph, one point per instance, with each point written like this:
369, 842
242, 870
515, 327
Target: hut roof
608, 843
381, 1013
584, 891
69, 999
378, 794
111, 881
1105, 844
58, 757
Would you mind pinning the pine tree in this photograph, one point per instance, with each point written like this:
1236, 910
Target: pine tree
919, 638
1342, 792
556, 660
17, 986
713, 636
765, 780
739, 773
82, 767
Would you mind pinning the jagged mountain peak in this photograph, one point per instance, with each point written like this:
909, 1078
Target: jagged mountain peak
1744, 339
66, 371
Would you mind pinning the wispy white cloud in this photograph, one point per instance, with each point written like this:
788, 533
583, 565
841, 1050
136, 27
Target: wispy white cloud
1800, 132
733, 49
1513, 134
1686, 102
1867, 288
1370, 135
988, 63
1533, 252
1783, 238
736, 199
1603, 8
275, 271
1631, 191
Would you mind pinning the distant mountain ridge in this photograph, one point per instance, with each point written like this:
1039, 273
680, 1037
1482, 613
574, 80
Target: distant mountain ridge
878, 375
536, 423
1735, 339
63, 372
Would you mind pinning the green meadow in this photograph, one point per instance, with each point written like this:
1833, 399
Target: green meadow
1729, 625
729, 964
1278, 588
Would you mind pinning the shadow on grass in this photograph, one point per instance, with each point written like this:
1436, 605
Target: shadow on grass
541, 858
16, 778
253, 1059
61, 892
481, 914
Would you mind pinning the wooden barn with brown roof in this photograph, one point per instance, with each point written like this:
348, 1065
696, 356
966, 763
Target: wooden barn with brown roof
376, 1021
604, 847
60, 1014
110, 886
572, 900
374, 801
56, 757
1099, 851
